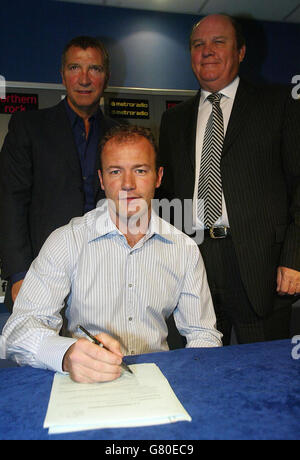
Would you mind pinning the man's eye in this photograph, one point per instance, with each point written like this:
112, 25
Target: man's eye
96, 68
114, 172
219, 40
73, 68
198, 44
141, 171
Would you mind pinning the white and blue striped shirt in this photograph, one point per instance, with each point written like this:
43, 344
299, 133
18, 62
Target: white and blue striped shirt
125, 291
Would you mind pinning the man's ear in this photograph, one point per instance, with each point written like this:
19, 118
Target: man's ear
242, 53
62, 77
107, 77
100, 178
160, 174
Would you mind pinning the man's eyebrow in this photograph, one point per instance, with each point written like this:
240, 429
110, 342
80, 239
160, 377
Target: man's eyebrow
220, 36
216, 37
90, 65
113, 166
138, 165
144, 165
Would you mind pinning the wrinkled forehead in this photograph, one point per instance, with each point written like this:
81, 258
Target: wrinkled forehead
123, 146
213, 26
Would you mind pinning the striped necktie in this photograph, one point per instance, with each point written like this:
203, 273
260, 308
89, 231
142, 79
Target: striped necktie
210, 184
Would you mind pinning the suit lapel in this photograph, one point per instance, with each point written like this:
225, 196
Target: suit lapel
241, 111
98, 192
190, 129
65, 139
62, 127
105, 125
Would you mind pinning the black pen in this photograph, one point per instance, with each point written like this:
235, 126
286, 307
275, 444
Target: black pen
97, 342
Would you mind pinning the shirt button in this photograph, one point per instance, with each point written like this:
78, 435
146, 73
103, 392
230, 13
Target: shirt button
132, 352
130, 285
130, 318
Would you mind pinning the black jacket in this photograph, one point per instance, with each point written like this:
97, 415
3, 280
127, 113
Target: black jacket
41, 185
260, 170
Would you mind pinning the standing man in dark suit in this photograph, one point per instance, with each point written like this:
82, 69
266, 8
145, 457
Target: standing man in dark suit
49, 161
234, 150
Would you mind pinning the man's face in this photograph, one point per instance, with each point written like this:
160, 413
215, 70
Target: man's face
214, 54
84, 78
129, 177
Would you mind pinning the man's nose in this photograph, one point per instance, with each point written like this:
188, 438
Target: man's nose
208, 49
128, 182
84, 78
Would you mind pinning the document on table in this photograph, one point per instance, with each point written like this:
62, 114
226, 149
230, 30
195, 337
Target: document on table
139, 399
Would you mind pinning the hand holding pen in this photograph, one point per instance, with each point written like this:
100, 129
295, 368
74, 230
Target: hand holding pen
89, 363
97, 342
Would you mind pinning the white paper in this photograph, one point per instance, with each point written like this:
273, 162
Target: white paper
139, 399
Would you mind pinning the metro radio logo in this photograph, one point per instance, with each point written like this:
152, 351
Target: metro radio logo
129, 108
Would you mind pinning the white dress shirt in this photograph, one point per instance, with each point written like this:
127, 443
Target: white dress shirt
204, 111
125, 291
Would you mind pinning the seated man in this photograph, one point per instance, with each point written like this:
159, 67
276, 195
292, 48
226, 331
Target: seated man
122, 271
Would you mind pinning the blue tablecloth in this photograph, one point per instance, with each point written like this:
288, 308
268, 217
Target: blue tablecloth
237, 392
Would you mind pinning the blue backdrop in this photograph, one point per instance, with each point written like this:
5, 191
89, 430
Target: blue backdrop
148, 49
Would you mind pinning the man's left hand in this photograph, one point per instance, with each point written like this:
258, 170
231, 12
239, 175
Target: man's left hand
288, 281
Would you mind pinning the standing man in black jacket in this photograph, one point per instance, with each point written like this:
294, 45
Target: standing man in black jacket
49, 161
236, 148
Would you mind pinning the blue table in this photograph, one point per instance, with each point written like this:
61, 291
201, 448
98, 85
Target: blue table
237, 392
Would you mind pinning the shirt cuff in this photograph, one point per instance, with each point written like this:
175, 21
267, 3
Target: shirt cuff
52, 352
17, 277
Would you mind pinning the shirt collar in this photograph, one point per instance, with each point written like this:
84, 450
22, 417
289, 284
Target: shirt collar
229, 91
74, 117
100, 224
159, 227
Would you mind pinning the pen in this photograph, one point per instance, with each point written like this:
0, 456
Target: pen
97, 342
